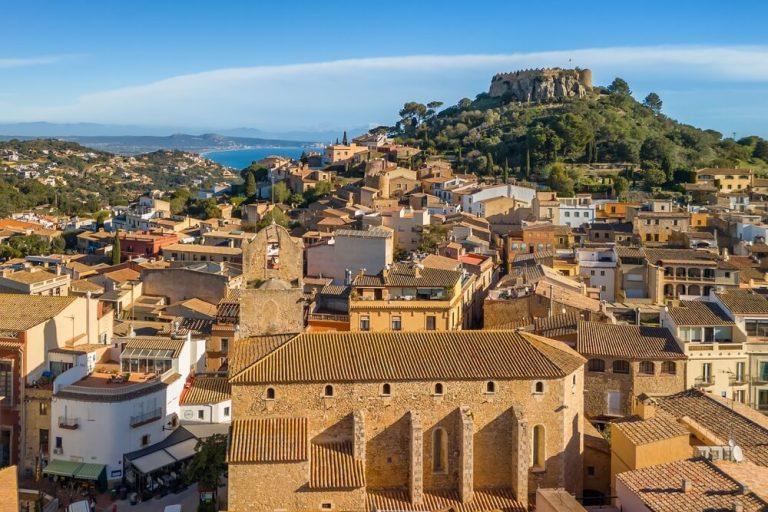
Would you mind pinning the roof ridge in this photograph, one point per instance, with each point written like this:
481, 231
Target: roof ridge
264, 356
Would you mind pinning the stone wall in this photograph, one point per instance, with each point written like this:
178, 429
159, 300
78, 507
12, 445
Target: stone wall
542, 85
258, 262
180, 284
271, 311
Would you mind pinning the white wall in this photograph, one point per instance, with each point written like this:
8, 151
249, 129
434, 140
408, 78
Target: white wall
353, 253
468, 202
213, 413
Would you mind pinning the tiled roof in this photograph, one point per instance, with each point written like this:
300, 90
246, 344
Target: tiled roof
630, 252
246, 351
409, 356
724, 421
207, 389
657, 255
227, 311
660, 487
335, 290
743, 302
22, 312
627, 341
641, 431
405, 275
333, 466
202, 249
556, 325
123, 275
268, 440
372, 232
155, 343
30, 277
695, 312
565, 296
499, 499
83, 285
441, 262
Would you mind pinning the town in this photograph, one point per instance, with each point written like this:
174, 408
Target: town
390, 324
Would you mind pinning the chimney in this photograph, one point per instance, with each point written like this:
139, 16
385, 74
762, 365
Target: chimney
738, 506
646, 410
687, 486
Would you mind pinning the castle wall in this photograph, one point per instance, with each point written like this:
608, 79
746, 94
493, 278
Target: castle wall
542, 85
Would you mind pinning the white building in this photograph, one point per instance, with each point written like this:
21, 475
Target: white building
577, 211
351, 250
207, 399
98, 417
599, 266
524, 194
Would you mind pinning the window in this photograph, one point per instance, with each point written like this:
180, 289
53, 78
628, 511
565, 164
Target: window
59, 443
596, 365
647, 367
669, 368
706, 372
225, 344
438, 389
620, 366
602, 272
365, 323
439, 451
270, 394
145, 440
226, 411
739, 371
757, 327
386, 389
538, 387
591, 272
6, 382
538, 445
567, 214
431, 323
43, 408
328, 390
200, 414
590, 470
613, 401
326, 505
740, 395
397, 323
43, 440
490, 387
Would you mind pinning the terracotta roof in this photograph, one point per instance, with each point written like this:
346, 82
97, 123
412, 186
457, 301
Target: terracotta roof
371, 232
123, 275
743, 302
408, 356
724, 419
683, 255
83, 285
440, 262
565, 296
155, 343
333, 466
660, 487
268, 440
405, 275
246, 351
9, 489
22, 312
198, 305
30, 276
694, 312
227, 311
631, 342
556, 325
498, 499
207, 389
658, 428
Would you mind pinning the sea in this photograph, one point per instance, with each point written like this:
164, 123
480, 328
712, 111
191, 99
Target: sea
242, 158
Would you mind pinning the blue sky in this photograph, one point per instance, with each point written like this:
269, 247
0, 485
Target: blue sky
310, 65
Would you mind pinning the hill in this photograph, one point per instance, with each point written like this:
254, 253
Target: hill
603, 125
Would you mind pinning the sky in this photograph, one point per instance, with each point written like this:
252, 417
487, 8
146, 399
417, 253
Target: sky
293, 65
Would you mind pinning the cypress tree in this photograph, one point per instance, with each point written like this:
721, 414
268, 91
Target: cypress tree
116, 249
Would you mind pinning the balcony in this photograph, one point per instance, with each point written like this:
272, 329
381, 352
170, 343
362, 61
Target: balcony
737, 381
328, 317
704, 382
147, 417
762, 407
69, 423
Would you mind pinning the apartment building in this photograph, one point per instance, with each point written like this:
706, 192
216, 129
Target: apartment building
197, 252
598, 267
655, 224
35, 281
349, 252
725, 180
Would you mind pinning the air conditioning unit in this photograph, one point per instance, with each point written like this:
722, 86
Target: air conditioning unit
58, 451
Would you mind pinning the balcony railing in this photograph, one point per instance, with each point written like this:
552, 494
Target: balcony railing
737, 381
704, 382
147, 417
69, 422
329, 317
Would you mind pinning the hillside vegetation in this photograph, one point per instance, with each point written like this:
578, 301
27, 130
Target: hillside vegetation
496, 136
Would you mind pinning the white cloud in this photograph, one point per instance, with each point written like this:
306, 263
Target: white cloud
354, 92
6, 63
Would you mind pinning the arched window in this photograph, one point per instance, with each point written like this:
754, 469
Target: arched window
620, 366
270, 394
647, 367
439, 388
596, 365
490, 387
539, 447
439, 451
328, 391
669, 367
538, 387
386, 389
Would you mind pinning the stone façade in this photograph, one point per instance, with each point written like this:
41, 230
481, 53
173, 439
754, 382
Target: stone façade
542, 85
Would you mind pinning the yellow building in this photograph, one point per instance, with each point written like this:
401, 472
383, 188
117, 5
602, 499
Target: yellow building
407, 297
725, 180
339, 153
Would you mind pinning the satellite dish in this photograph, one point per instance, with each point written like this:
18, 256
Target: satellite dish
737, 454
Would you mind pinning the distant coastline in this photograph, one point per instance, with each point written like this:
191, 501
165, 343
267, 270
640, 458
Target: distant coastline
241, 158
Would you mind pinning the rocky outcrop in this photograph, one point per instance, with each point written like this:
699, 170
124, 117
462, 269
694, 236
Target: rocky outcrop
542, 85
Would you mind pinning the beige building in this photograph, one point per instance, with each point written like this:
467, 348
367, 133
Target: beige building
407, 297
406, 423
35, 281
676, 273
340, 153
546, 207
196, 252
725, 180
407, 225
657, 223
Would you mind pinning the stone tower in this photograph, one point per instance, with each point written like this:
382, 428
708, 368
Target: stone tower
542, 85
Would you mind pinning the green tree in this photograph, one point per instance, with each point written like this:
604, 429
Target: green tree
432, 237
761, 149
653, 102
116, 248
621, 186
280, 192
654, 177
275, 214
100, 217
620, 87
489, 164
209, 462
561, 180
250, 184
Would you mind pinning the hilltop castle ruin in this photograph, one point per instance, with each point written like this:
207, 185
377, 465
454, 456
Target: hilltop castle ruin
542, 85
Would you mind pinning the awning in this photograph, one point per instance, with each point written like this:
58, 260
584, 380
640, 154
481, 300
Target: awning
89, 471
153, 461
183, 450
60, 467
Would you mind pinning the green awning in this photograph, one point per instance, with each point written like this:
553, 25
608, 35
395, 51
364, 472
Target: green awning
89, 471
62, 467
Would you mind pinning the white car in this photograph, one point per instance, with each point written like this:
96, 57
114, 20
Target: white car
172, 508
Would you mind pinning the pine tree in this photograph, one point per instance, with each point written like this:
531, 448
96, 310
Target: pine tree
489, 164
344, 138
250, 185
116, 249
505, 171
